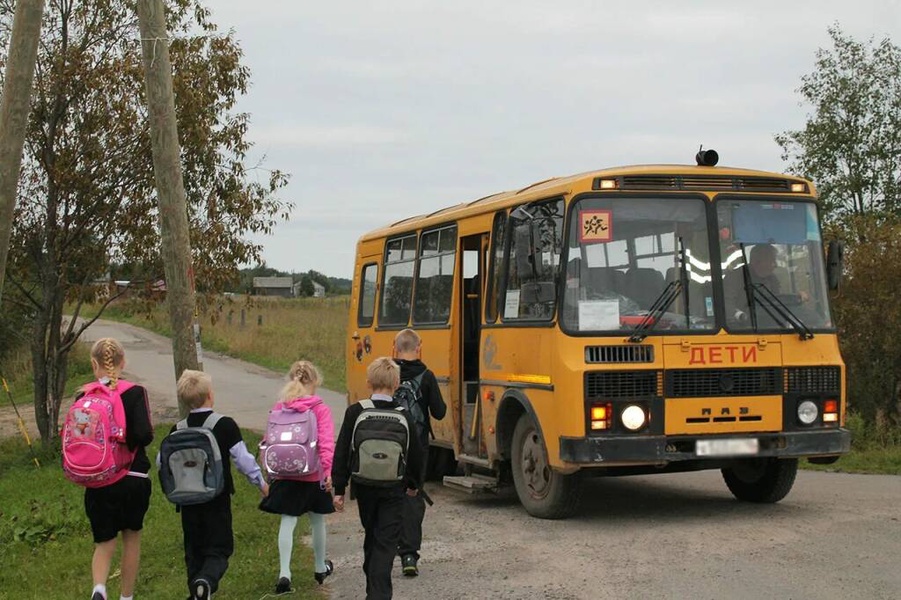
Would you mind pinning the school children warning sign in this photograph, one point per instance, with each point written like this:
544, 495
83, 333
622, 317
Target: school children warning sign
596, 226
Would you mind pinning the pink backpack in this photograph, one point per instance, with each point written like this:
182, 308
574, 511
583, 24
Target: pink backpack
290, 448
93, 436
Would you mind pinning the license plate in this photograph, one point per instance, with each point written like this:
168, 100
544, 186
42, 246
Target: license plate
729, 447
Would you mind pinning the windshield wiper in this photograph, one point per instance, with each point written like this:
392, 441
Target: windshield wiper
665, 299
663, 302
770, 303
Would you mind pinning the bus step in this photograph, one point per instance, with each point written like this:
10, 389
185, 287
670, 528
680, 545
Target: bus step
471, 484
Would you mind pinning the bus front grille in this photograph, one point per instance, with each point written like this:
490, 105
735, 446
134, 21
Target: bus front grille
703, 383
809, 380
619, 354
622, 384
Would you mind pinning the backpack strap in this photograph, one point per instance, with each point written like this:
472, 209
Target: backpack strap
208, 423
367, 403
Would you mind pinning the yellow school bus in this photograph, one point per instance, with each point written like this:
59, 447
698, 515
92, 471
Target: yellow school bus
631, 320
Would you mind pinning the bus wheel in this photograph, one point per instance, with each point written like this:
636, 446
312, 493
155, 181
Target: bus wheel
543, 492
763, 480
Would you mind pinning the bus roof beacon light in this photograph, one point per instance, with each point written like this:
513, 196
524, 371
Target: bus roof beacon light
707, 158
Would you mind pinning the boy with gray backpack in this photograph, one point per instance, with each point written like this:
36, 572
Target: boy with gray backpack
195, 474
376, 451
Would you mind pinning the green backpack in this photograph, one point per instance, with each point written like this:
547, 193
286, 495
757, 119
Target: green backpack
380, 440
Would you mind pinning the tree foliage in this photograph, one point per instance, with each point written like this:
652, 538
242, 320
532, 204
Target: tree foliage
851, 143
851, 147
86, 195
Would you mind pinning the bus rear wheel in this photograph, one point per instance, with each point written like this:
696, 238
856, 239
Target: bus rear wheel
762, 480
543, 492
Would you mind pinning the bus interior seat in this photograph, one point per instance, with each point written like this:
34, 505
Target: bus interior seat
603, 279
643, 285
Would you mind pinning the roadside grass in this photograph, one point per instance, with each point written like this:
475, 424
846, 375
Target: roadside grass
19, 375
874, 449
46, 544
270, 332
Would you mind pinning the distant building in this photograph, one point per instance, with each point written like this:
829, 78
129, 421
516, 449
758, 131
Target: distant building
318, 290
275, 286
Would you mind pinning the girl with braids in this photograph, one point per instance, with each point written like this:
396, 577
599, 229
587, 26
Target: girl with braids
121, 506
309, 494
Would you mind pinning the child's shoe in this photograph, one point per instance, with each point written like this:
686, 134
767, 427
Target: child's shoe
283, 586
201, 589
408, 562
329, 567
97, 596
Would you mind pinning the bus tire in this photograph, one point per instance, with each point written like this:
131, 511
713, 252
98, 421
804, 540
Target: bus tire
761, 480
543, 492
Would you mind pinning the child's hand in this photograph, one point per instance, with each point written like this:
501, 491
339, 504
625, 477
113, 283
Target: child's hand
328, 484
412, 492
338, 503
265, 489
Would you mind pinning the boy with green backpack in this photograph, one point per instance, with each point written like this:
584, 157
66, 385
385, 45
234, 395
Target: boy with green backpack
376, 451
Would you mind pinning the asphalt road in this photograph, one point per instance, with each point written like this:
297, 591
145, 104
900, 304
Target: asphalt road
666, 536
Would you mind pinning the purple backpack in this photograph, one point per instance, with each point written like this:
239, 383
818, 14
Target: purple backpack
290, 448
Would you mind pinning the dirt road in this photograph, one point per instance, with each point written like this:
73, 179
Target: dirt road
670, 536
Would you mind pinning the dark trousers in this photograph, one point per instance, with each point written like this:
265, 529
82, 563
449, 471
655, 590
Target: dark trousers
381, 511
209, 541
413, 514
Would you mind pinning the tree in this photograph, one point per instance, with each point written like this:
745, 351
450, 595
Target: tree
851, 147
851, 144
87, 194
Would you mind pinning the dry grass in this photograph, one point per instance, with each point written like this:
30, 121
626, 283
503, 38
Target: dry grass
274, 332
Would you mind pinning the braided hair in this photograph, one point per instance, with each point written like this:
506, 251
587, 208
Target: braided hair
108, 354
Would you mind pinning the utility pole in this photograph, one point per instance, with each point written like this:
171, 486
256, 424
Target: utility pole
14, 108
176, 244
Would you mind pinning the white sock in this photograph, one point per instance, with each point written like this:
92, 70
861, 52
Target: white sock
285, 544
126, 598
317, 525
99, 588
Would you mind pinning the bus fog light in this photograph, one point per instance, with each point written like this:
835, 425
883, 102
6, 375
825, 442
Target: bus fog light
633, 417
808, 412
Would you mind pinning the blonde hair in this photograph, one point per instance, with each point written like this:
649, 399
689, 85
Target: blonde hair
108, 354
406, 340
193, 389
383, 374
303, 380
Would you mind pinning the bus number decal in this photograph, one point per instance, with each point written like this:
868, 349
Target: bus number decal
718, 355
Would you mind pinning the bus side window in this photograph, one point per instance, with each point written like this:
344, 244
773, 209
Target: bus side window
368, 281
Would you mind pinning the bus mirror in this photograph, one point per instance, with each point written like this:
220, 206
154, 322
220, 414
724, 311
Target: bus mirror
526, 257
537, 292
835, 262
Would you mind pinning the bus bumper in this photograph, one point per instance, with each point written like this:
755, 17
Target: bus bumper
661, 449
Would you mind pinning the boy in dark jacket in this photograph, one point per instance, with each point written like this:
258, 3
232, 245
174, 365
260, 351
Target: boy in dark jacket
208, 535
407, 354
381, 508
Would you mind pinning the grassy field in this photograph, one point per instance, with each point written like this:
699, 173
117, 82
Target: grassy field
45, 534
271, 332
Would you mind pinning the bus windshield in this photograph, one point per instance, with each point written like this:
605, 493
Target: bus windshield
772, 265
638, 262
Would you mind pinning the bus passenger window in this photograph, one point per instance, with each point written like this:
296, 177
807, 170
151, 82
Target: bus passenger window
397, 287
367, 295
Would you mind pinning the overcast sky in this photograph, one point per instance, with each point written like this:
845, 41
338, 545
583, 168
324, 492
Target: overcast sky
382, 110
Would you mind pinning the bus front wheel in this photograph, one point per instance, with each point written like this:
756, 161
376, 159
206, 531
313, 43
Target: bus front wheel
762, 480
543, 492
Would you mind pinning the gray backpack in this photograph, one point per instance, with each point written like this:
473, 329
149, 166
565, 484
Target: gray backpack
381, 437
191, 469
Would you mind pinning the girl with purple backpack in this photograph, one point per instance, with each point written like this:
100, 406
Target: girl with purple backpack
296, 494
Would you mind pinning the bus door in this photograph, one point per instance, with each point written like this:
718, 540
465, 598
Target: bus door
474, 249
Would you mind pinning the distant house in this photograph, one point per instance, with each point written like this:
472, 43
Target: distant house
275, 286
318, 290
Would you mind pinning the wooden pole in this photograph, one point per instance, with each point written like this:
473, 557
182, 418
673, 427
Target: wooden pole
15, 105
176, 244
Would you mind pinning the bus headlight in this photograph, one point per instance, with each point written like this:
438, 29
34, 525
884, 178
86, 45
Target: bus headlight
633, 417
808, 412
